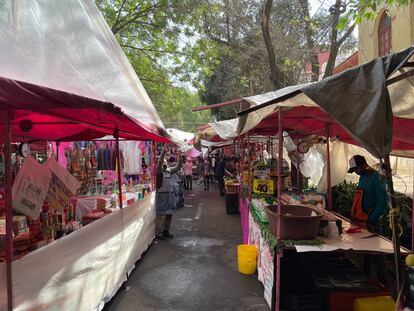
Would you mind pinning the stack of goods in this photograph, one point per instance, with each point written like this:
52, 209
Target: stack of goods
2, 239
92, 216
21, 237
231, 185
103, 207
104, 204
82, 163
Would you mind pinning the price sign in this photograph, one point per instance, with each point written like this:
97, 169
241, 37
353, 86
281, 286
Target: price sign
263, 186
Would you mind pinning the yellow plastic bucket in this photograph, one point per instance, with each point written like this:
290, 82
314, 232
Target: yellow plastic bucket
246, 258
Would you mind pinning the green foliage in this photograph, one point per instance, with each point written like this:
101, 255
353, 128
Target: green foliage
212, 48
367, 9
343, 197
159, 39
310, 188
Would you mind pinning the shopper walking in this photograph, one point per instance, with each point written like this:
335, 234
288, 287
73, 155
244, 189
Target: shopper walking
188, 171
210, 163
220, 170
166, 200
206, 177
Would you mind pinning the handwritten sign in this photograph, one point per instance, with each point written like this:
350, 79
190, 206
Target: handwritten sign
263, 186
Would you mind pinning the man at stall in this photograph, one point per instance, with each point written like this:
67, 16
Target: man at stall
166, 200
370, 200
220, 171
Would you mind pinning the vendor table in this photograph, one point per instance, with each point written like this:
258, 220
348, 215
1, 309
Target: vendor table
359, 242
87, 267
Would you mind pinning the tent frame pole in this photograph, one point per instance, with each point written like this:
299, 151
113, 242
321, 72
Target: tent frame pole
278, 249
249, 163
328, 167
154, 165
8, 200
57, 150
118, 163
412, 215
298, 182
394, 222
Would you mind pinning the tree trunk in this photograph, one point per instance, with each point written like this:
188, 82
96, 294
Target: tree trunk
312, 52
277, 77
333, 49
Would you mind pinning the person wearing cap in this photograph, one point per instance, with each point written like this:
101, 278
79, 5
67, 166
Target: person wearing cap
166, 199
370, 199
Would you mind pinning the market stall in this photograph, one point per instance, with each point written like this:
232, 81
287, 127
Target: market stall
66, 79
317, 109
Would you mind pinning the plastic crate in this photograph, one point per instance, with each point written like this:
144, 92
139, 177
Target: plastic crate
304, 302
232, 204
383, 303
231, 189
258, 215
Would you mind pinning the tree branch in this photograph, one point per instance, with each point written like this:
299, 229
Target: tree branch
118, 15
134, 17
153, 50
346, 35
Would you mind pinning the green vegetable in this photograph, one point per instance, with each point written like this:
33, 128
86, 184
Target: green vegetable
271, 240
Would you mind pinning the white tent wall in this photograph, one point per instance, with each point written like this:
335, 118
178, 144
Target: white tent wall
83, 270
181, 138
67, 45
314, 166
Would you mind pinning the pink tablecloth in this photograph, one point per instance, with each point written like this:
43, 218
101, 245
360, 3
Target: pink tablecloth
244, 217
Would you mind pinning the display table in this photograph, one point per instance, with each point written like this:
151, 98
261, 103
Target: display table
244, 218
86, 268
260, 235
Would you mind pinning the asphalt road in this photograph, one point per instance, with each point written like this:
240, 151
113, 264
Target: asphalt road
195, 270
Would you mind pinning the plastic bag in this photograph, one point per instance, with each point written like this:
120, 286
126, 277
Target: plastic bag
63, 185
30, 188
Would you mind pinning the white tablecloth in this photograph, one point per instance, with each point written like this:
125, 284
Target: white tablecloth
84, 269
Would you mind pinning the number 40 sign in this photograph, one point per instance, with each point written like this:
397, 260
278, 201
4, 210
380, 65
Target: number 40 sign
263, 186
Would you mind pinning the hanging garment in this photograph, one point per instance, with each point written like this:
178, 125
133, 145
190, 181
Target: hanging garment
132, 157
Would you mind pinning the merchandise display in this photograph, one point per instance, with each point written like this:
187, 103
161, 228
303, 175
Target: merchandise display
51, 201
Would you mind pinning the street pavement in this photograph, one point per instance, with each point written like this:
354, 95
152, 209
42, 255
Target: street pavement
197, 268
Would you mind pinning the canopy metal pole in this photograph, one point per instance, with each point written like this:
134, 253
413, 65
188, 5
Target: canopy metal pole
242, 160
8, 200
412, 214
57, 150
328, 166
249, 183
118, 163
394, 225
278, 249
298, 187
154, 165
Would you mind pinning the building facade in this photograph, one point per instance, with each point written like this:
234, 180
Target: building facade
391, 31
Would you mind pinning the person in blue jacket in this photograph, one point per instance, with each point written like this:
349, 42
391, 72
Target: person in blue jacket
374, 197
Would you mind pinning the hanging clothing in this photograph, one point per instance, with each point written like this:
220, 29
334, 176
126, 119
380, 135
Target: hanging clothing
132, 157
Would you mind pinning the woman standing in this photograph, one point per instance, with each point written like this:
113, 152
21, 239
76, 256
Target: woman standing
166, 200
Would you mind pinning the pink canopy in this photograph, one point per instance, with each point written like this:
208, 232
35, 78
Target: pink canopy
58, 115
193, 153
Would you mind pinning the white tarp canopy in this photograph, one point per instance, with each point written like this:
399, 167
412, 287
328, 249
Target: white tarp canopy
184, 140
67, 45
226, 129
